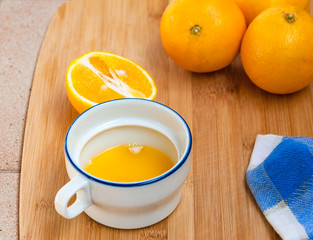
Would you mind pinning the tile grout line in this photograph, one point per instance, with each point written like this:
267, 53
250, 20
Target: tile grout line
9, 171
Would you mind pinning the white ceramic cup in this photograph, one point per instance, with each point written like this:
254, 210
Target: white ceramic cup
124, 205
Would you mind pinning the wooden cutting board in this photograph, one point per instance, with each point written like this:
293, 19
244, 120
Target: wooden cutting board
224, 110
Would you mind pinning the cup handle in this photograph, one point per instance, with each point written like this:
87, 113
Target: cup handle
78, 185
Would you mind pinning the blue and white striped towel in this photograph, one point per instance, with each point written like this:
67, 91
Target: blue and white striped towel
280, 176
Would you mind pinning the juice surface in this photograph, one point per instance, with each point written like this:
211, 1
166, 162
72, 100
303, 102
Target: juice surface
129, 163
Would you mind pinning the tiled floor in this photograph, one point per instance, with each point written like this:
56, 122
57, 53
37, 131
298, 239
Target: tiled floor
8, 205
22, 27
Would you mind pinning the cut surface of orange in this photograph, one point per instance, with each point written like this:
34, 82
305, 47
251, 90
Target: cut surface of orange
97, 77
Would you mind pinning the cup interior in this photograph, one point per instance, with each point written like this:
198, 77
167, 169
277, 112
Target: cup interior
128, 135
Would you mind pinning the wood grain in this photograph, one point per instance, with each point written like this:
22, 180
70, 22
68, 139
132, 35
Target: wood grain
224, 110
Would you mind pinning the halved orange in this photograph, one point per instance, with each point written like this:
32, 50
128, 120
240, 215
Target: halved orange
97, 77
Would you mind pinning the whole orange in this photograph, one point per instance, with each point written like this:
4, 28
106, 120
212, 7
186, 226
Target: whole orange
202, 35
277, 50
252, 8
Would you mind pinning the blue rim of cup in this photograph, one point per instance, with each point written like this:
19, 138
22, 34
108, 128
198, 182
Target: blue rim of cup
140, 183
